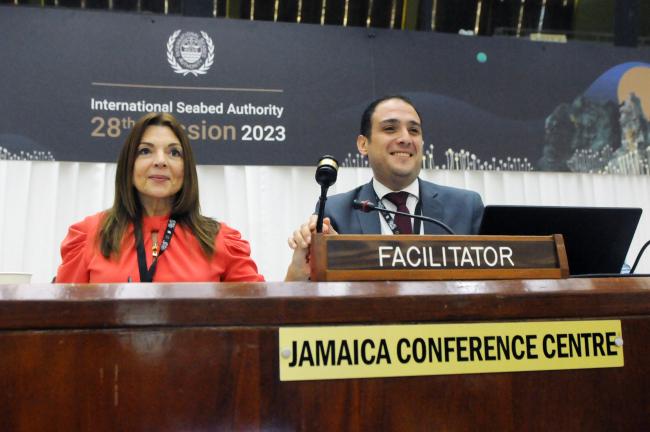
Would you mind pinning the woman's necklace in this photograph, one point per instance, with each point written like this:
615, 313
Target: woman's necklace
154, 246
146, 274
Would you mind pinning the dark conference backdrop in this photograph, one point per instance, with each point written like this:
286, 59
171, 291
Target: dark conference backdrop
258, 93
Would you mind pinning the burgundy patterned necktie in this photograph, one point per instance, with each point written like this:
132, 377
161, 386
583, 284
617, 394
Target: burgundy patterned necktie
403, 222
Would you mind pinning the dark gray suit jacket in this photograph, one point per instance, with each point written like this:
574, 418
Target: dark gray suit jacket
461, 209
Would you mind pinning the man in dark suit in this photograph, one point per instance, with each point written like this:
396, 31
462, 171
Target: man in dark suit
391, 138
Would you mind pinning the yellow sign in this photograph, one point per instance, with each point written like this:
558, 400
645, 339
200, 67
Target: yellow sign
336, 352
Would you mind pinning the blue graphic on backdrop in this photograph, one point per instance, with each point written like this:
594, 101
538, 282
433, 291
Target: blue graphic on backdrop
604, 130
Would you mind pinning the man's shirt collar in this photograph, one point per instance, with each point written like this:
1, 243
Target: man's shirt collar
381, 190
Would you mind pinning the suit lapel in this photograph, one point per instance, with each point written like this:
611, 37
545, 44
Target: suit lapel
369, 222
431, 207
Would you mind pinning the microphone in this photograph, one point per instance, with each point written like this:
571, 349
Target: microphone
326, 172
367, 206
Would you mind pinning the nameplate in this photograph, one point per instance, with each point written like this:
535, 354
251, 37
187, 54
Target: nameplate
346, 352
413, 257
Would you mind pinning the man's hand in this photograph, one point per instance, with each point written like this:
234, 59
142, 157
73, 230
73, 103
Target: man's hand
300, 241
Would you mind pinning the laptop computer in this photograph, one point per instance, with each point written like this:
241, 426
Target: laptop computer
596, 238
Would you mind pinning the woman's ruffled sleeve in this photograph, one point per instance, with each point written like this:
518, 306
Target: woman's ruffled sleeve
75, 253
239, 266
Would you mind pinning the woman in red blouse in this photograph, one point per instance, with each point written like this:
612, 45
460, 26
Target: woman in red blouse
155, 231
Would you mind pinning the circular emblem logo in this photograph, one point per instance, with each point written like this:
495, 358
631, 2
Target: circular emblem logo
190, 53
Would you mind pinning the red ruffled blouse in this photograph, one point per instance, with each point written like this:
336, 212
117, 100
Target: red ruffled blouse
183, 261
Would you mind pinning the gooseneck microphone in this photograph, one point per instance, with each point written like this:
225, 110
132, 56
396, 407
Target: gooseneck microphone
367, 206
326, 172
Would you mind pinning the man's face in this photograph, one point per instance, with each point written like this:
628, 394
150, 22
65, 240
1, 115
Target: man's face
394, 149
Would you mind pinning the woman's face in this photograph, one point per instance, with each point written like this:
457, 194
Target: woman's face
158, 169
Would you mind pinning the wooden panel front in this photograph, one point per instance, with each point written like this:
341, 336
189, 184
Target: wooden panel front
226, 379
198, 357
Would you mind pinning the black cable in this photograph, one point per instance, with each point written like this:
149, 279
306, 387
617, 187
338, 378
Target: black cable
638, 257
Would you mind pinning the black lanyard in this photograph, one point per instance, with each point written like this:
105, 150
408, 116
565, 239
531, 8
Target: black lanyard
390, 219
146, 274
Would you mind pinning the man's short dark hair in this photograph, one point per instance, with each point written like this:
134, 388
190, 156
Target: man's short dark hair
366, 117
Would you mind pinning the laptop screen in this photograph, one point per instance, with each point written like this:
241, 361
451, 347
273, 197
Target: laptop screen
596, 238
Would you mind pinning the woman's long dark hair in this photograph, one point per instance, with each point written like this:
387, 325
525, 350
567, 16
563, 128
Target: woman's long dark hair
127, 207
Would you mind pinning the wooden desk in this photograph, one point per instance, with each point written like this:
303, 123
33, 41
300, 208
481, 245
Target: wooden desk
190, 357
